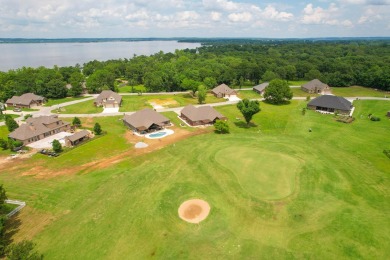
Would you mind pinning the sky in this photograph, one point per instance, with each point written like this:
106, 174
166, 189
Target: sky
193, 18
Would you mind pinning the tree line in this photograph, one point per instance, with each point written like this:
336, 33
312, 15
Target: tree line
339, 64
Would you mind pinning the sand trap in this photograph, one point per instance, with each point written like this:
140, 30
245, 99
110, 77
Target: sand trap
194, 211
141, 145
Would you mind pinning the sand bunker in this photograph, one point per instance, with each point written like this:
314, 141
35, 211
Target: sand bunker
194, 211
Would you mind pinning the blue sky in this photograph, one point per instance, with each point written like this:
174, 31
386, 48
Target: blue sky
194, 18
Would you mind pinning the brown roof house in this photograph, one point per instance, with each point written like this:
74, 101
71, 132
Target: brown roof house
26, 100
330, 103
146, 120
108, 98
38, 128
223, 90
315, 87
261, 88
203, 115
77, 138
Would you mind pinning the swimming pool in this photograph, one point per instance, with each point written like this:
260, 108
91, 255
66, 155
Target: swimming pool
159, 134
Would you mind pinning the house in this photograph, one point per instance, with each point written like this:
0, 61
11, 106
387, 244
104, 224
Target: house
108, 98
223, 91
315, 87
200, 115
261, 88
330, 103
38, 128
146, 120
77, 138
27, 100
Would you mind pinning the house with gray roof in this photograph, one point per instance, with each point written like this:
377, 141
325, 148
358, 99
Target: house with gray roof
203, 115
108, 98
145, 121
38, 128
77, 138
330, 103
261, 88
27, 100
315, 87
223, 90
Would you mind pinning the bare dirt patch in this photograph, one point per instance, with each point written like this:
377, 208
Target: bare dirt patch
169, 102
194, 210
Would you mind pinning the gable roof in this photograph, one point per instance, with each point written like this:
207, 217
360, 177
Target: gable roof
330, 101
261, 87
145, 118
224, 89
203, 113
25, 99
315, 84
78, 135
106, 94
36, 126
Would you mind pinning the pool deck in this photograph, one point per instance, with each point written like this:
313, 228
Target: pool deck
167, 131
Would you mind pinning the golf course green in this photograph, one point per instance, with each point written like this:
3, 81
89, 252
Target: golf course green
276, 191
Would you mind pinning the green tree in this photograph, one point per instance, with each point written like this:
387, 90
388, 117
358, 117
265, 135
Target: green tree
76, 80
201, 94
210, 82
24, 250
76, 121
190, 84
278, 91
221, 127
10, 123
97, 129
248, 108
57, 147
269, 75
3, 144
99, 79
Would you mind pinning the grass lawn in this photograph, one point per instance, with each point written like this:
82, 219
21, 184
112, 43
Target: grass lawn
2, 119
298, 92
52, 102
357, 91
275, 189
249, 94
86, 107
134, 103
129, 89
24, 109
4, 135
297, 82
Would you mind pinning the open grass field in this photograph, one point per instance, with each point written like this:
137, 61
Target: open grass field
275, 189
134, 103
297, 92
249, 94
132, 89
86, 107
297, 82
357, 91
52, 102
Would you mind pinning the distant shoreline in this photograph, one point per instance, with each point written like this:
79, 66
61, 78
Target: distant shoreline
184, 39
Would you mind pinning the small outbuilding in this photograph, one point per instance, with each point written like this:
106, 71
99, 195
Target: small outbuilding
108, 99
223, 90
330, 103
261, 88
145, 121
77, 138
203, 115
27, 100
315, 87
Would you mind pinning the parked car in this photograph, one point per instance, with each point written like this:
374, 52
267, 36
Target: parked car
17, 109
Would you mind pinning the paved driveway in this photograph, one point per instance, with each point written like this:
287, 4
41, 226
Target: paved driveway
47, 142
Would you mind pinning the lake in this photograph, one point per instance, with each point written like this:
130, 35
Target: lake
17, 55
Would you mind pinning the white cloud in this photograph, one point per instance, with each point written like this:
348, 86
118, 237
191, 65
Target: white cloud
366, 2
215, 16
319, 15
221, 5
240, 17
271, 13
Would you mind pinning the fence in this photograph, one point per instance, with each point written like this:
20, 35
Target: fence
16, 202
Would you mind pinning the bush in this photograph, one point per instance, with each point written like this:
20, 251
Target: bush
375, 118
3, 144
27, 116
221, 127
387, 153
97, 129
76, 122
57, 147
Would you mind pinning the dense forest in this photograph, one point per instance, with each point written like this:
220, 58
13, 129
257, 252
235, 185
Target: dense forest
364, 63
